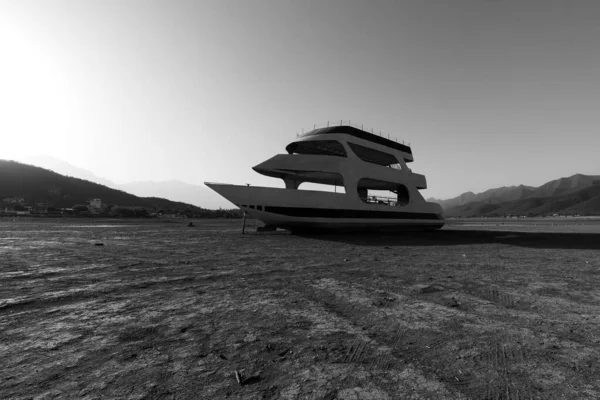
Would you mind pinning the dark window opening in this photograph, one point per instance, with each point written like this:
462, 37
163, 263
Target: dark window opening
317, 147
320, 187
373, 191
373, 156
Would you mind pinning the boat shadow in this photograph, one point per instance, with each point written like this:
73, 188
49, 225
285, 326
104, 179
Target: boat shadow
449, 237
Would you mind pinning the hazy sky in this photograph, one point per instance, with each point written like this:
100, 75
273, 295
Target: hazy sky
488, 92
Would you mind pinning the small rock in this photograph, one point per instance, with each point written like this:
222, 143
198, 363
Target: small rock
283, 353
432, 289
98, 244
331, 395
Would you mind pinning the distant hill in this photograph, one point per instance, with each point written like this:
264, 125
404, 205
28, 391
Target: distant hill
37, 184
565, 185
494, 196
179, 191
578, 194
174, 190
64, 168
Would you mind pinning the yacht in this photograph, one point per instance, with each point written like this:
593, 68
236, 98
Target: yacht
372, 186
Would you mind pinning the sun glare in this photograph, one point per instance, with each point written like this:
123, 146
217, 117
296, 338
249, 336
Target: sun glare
36, 101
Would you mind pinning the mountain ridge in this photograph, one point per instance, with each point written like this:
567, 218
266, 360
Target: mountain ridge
39, 185
172, 189
576, 194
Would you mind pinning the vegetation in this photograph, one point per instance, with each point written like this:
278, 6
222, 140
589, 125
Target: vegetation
58, 192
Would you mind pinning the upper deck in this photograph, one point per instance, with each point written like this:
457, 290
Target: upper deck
361, 134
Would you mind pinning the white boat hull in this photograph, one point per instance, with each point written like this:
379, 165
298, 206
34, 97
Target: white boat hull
299, 210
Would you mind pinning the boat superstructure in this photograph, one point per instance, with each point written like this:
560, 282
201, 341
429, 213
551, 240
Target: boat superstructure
344, 156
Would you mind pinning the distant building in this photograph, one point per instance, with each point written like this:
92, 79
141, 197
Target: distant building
54, 191
95, 204
13, 200
40, 207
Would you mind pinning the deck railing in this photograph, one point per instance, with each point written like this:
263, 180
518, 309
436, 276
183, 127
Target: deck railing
390, 201
344, 122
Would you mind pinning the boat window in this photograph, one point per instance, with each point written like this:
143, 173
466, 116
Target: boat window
374, 191
317, 147
372, 156
319, 187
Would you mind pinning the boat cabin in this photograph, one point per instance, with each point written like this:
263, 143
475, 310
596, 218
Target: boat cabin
369, 165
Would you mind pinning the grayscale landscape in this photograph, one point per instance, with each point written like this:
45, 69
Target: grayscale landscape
197, 200
146, 309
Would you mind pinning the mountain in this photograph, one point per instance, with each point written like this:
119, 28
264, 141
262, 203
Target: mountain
198, 195
494, 196
578, 194
565, 185
37, 184
173, 190
64, 168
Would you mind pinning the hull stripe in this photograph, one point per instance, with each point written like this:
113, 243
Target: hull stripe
341, 213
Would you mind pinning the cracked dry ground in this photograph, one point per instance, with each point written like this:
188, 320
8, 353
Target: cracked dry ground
165, 311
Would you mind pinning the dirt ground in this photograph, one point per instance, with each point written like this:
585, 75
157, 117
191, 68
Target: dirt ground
153, 310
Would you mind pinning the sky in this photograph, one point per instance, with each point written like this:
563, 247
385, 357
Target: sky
489, 93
